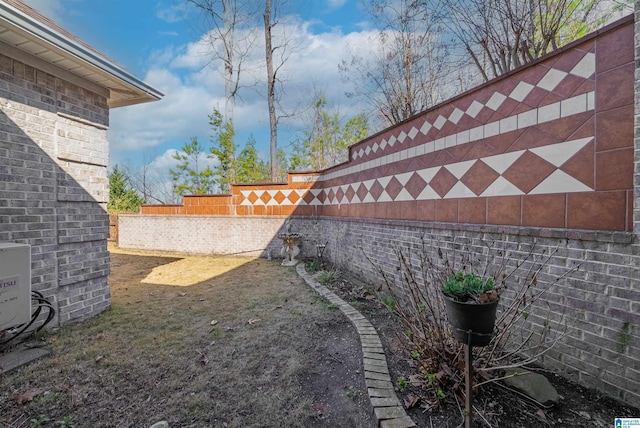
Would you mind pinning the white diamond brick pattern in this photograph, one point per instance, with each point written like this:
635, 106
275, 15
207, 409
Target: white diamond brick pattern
474, 109
413, 132
402, 137
439, 123
585, 68
495, 101
456, 115
521, 91
551, 79
557, 182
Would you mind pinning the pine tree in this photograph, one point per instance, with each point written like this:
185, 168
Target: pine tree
224, 150
122, 197
250, 168
325, 141
190, 177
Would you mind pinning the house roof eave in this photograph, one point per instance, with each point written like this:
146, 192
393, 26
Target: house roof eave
26, 29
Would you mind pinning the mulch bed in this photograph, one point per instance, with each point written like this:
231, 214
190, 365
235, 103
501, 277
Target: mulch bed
495, 406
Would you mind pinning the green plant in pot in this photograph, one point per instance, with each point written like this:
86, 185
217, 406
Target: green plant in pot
471, 302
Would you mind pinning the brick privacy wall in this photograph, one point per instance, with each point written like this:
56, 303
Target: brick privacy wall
195, 234
278, 199
597, 300
54, 186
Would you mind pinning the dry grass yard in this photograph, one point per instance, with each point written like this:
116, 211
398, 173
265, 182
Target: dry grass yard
198, 342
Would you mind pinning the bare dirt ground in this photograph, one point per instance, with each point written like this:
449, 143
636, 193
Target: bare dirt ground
276, 355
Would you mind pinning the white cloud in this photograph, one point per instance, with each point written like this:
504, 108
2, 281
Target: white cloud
193, 88
180, 115
165, 161
336, 4
195, 56
172, 13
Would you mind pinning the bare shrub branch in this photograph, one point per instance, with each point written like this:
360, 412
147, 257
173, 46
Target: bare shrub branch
417, 301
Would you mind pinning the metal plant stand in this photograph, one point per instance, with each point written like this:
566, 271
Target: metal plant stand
468, 357
472, 325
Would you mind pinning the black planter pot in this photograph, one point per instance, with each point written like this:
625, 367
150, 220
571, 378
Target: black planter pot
480, 318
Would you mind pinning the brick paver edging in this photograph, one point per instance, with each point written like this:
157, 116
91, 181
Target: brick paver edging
386, 406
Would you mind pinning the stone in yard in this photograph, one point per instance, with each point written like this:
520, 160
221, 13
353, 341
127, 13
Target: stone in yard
404, 422
533, 385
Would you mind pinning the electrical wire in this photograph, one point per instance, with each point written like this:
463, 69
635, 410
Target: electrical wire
40, 303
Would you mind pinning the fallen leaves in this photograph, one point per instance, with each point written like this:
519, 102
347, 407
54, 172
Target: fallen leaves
411, 401
416, 380
27, 396
204, 360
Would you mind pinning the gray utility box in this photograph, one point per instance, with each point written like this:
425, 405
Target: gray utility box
15, 284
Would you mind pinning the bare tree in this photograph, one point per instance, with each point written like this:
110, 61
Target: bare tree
281, 50
500, 35
143, 181
153, 184
408, 59
225, 19
271, 80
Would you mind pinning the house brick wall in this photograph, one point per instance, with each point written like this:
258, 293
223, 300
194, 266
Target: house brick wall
545, 158
54, 186
636, 175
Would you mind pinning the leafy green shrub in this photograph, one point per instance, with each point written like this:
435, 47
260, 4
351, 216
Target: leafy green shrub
467, 286
390, 303
314, 266
402, 383
329, 275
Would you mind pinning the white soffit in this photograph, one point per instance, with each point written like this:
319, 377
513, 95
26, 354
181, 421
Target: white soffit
26, 30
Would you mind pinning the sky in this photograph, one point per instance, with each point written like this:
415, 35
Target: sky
160, 42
